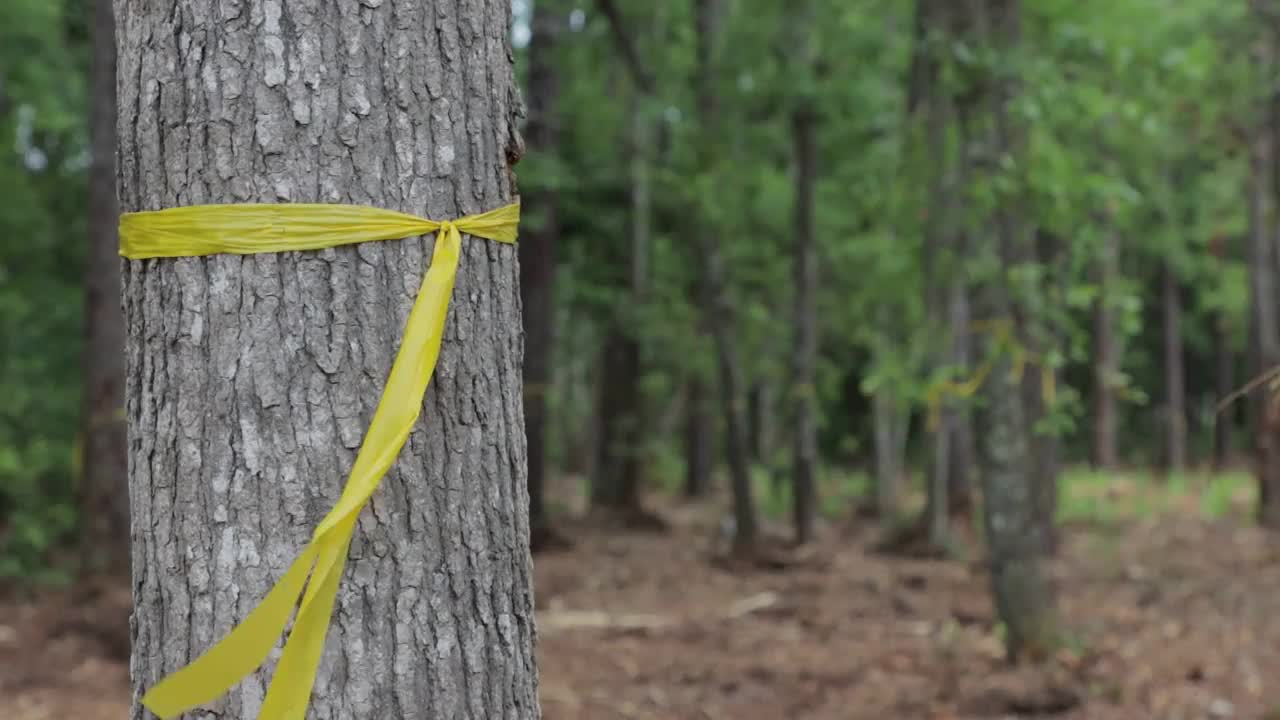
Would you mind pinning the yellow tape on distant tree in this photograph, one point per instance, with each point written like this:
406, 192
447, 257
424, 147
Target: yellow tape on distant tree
1001, 340
247, 229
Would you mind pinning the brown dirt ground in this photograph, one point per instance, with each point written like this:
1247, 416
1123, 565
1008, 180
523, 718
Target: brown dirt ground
1171, 618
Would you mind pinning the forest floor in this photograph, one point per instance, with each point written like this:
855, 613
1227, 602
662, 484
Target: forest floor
1173, 613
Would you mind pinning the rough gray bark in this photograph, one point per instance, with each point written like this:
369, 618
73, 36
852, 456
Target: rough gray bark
1018, 533
251, 380
104, 499
1016, 537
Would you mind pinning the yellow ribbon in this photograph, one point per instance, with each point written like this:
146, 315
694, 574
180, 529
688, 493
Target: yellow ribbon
247, 229
1000, 331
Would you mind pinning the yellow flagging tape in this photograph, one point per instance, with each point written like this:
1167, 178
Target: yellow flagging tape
1001, 339
246, 229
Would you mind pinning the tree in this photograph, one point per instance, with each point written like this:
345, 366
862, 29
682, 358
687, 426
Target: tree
620, 444
104, 506
1266, 327
1175, 458
718, 308
251, 379
804, 125
538, 263
1106, 355
1017, 533
805, 438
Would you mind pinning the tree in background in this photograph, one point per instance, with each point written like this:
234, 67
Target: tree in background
104, 482
1017, 535
538, 257
251, 379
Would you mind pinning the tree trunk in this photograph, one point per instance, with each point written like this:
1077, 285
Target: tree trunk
1175, 384
719, 311
805, 437
890, 437
1265, 338
1015, 535
538, 264
760, 413
960, 457
943, 250
698, 440
1224, 380
1106, 357
616, 486
1045, 449
1017, 532
104, 484
252, 379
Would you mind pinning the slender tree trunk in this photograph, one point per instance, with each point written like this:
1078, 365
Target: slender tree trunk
252, 379
1045, 449
1265, 345
1106, 357
615, 483
698, 438
538, 263
1015, 535
720, 315
961, 444
890, 438
1224, 380
620, 451
104, 483
1175, 383
805, 437
1017, 531
943, 251
760, 405
641, 216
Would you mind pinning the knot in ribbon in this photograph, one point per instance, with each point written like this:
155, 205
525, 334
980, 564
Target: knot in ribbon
253, 228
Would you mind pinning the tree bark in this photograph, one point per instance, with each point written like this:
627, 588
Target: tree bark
890, 441
615, 485
1265, 335
1175, 382
1106, 357
961, 443
104, 483
760, 404
252, 379
698, 440
1224, 381
805, 437
1017, 532
538, 263
719, 311
1015, 535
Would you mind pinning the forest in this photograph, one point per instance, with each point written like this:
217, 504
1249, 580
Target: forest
856, 359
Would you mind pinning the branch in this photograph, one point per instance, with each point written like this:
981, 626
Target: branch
639, 75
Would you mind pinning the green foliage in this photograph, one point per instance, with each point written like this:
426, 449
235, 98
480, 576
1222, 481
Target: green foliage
43, 158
